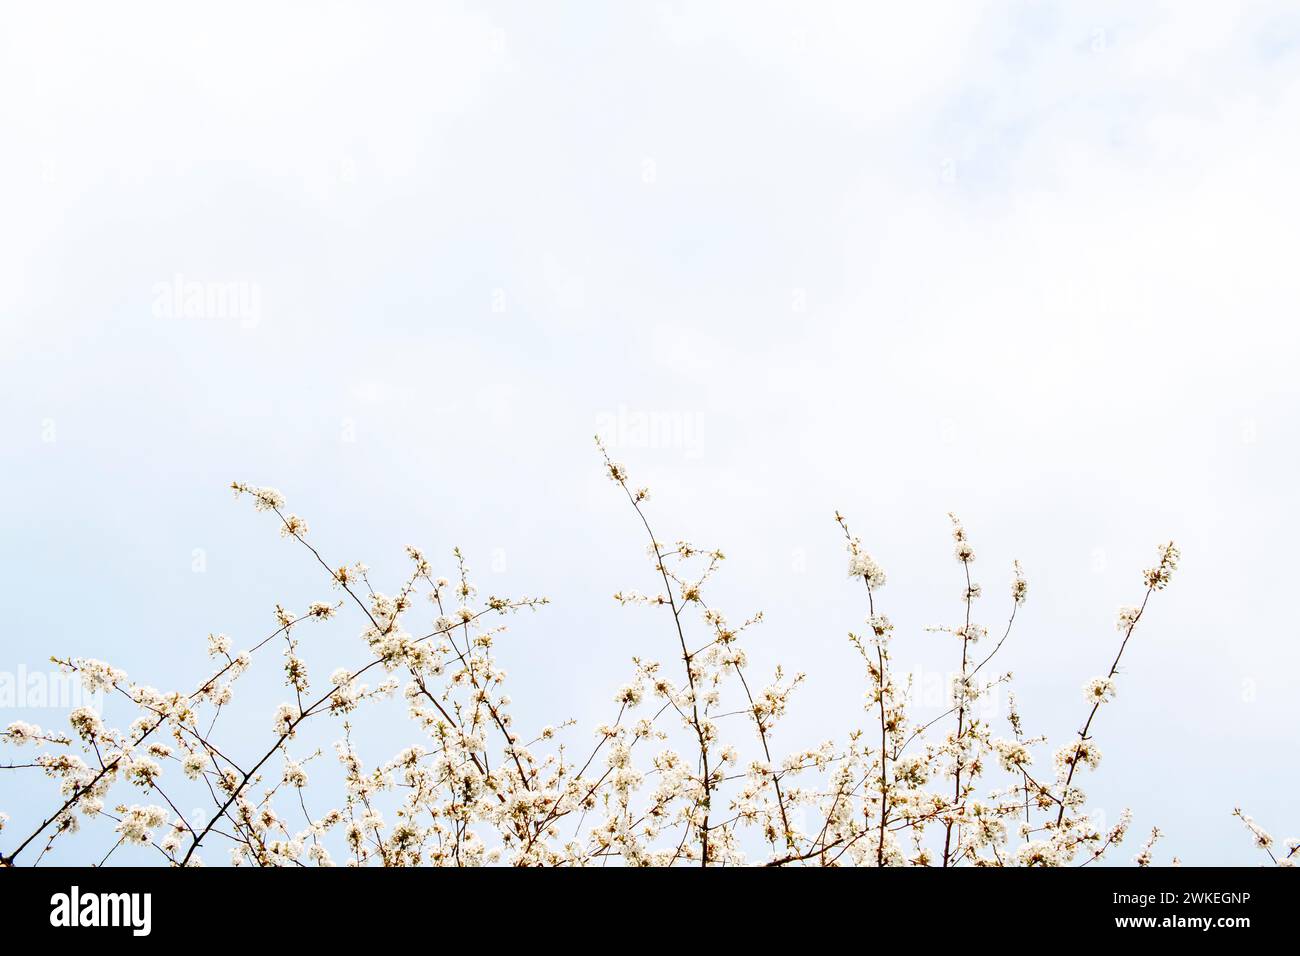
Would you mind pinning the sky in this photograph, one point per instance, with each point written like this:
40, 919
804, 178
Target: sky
1030, 263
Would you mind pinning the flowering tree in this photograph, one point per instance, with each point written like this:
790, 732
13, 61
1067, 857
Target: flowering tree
660, 783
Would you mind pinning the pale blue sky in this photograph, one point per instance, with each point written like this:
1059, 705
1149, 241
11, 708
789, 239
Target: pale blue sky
1031, 263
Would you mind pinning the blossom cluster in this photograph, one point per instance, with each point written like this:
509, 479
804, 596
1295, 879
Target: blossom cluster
686, 770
